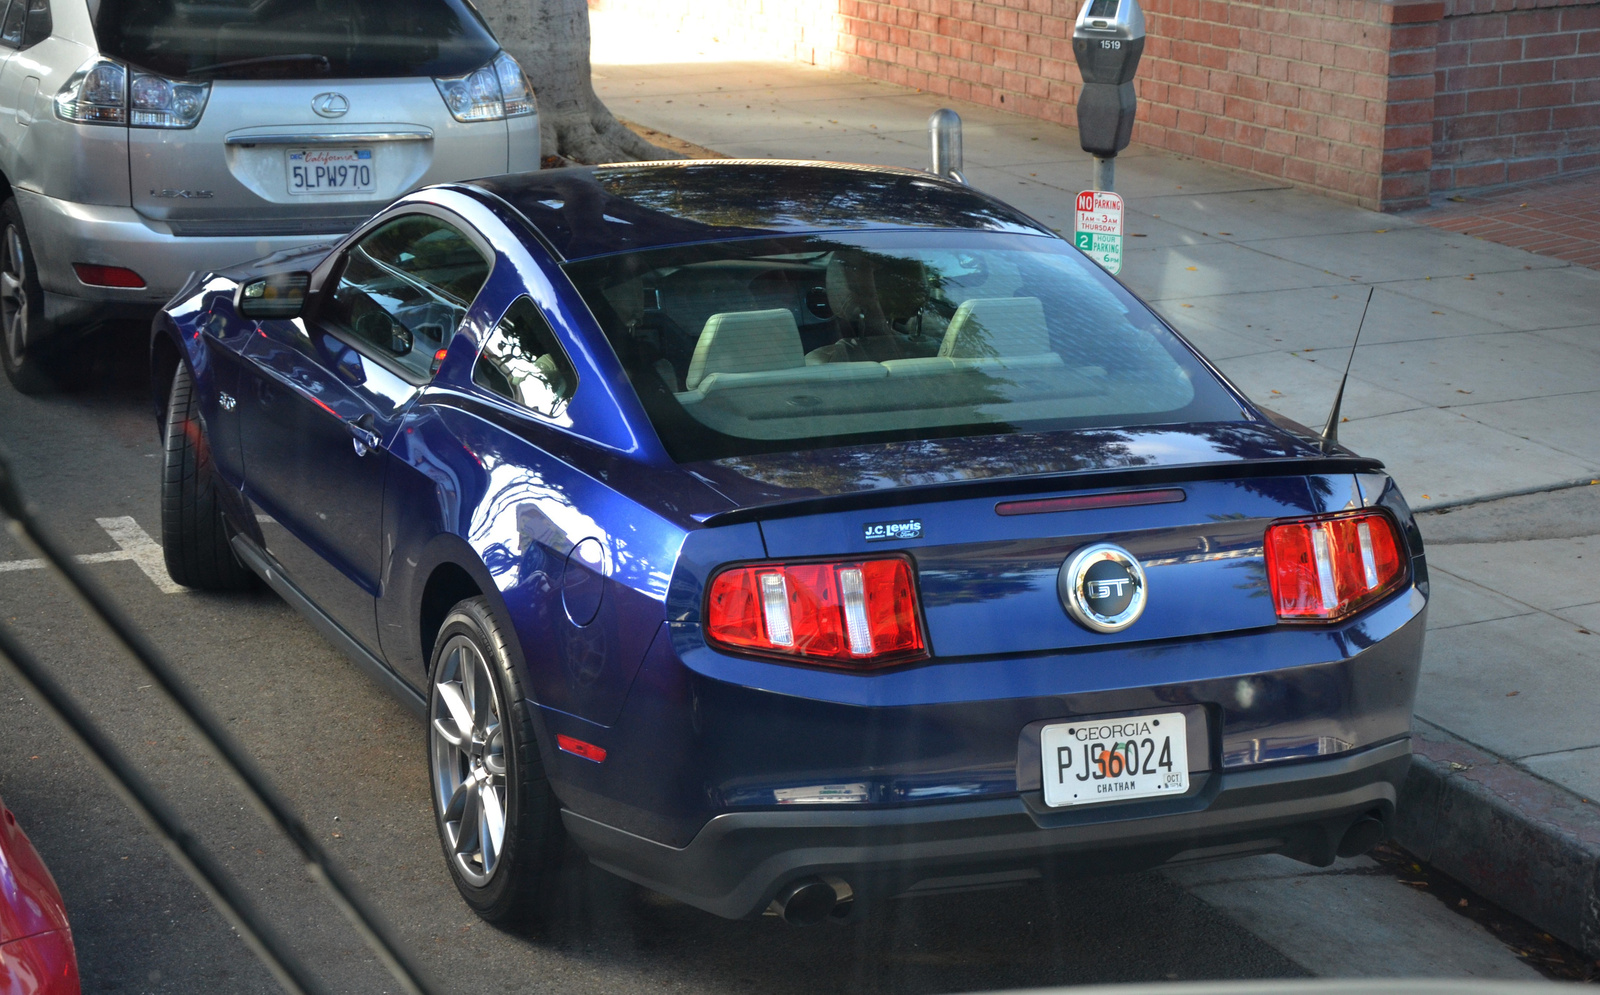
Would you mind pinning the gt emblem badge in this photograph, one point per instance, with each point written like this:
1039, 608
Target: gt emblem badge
330, 104
1102, 587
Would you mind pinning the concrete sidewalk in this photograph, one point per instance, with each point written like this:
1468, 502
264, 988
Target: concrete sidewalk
1478, 377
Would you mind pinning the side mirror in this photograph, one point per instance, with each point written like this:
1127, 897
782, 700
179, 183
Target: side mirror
280, 296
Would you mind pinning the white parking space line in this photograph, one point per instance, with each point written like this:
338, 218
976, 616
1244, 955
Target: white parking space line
135, 544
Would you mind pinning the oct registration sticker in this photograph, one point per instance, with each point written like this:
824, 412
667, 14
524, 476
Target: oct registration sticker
1098, 230
1113, 760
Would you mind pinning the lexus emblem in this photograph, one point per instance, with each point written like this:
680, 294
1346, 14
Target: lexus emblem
330, 104
1102, 587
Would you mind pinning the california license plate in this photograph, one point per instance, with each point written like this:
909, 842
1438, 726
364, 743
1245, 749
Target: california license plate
325, 171
1108, 760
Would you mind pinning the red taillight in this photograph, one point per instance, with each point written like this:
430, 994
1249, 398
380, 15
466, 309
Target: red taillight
1323, 569
108, 276
854, 613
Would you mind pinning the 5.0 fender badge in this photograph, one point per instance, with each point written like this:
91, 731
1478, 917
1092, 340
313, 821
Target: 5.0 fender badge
1102, 587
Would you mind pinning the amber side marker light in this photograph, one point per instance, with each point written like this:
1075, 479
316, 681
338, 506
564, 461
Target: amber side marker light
1327, 568
855, 614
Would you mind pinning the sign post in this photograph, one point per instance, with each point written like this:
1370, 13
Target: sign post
1098, 230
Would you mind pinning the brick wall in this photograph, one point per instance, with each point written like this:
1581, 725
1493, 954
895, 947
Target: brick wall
1378, 102
802, 30
1518, 91
1332, 94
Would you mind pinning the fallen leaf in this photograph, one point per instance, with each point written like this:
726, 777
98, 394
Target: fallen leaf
1438, 312
1191, 268
1224, 233
1380, 231
1462, 903
1459, 200
1136, 234
1460, 391
1186, 305
1512, 694
1425, 497
1279, 392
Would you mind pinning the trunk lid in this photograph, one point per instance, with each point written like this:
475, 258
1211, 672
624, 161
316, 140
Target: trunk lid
988, 581
231, 174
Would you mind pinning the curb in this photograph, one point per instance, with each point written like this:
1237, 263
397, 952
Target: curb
1525, 844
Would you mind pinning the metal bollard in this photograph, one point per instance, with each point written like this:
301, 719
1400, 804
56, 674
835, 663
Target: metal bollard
944, 134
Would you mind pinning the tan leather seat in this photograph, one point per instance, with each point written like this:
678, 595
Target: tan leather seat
746, 342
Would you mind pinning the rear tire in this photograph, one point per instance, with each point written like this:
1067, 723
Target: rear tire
22, 325
194, 537
486, 774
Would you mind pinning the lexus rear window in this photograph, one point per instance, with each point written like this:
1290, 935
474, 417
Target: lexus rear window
763, 345
295, 39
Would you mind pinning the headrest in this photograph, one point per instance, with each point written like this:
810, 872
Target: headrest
746, 342
868, 291
985, 327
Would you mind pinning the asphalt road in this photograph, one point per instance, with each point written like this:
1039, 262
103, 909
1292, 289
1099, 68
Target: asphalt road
352, 760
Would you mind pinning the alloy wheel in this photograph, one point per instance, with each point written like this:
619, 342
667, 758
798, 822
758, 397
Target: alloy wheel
14, 295
468, 747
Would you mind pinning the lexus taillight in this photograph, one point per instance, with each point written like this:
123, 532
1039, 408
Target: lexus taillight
851, 613
106, 92
493, 93
1324, 569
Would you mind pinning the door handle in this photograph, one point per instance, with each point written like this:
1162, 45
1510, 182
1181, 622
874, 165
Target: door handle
362, 436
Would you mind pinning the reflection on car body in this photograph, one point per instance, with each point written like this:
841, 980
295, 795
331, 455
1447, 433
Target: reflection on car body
795, 536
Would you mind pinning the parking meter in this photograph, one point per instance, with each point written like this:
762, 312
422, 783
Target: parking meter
1107, 40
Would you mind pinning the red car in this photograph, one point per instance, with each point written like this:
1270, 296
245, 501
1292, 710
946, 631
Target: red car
36, 955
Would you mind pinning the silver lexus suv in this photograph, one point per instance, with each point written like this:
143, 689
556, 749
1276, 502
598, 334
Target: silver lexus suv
141, 140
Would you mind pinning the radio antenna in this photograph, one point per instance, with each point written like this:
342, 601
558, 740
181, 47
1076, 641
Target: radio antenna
1330, 431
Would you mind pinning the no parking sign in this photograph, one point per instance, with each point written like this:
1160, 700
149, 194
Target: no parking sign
1098, 231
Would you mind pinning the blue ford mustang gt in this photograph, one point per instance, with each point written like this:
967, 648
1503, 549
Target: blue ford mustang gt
794, 536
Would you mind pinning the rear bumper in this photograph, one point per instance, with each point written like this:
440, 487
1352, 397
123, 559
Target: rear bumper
62, 233
738, 862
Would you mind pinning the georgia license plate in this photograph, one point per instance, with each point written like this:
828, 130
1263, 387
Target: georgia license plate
314, 171
1105, 760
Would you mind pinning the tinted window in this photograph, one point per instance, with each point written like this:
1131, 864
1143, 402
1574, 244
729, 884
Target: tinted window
405, 288
11, 27
39, 23
295, 39
524, 362
803, 343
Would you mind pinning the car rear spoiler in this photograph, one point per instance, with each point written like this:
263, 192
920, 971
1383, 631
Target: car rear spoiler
1036, 483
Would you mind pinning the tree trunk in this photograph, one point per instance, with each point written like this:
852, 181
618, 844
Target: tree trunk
551, 40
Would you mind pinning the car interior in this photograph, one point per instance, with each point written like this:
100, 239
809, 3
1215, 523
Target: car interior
850, 340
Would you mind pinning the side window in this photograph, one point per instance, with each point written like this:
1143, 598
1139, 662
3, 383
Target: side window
11, 28
524, 362
38, 25
405, 288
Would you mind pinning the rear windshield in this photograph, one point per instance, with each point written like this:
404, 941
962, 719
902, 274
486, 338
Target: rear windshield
295, 39
765, 345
